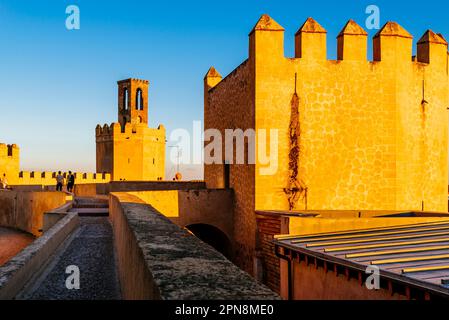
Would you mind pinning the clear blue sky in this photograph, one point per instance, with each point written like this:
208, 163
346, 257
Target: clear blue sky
56, 85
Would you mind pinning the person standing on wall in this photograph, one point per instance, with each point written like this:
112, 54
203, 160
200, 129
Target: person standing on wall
4, 182
59, 181
70, 182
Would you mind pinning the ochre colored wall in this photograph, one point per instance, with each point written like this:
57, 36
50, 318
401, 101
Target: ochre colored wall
369, 138
10, 165
366, 142
137, 154
25, 210
9, 161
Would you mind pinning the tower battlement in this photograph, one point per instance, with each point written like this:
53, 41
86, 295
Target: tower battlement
114, 130
391, 44
9, 150
10, 165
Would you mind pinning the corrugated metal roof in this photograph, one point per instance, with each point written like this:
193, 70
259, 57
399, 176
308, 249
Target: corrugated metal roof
414, 254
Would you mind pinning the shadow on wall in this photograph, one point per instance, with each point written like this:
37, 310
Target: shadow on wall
25, 210
213, 237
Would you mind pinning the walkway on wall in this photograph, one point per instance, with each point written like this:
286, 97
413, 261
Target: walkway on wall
91, 249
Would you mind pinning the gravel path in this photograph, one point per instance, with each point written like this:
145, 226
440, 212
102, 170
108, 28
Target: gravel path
91, 250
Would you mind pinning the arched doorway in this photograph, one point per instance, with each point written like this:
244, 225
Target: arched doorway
213, 237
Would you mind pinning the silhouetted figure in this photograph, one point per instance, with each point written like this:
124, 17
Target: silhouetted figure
4, 182
59, 181
70, 182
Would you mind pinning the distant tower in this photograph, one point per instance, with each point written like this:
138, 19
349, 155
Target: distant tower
129, 150
132, 101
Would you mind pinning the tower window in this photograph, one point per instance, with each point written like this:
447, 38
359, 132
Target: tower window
139, 100
125, 99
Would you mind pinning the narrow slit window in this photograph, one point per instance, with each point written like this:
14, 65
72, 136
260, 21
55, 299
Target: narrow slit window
139, 100
125, 99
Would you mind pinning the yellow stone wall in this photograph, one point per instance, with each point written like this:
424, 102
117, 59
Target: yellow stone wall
129, 149
9, 161
137, 154
367, 141
10, 165
369, 138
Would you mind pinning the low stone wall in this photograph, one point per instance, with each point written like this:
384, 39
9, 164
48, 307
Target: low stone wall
18, 271
53, 217
159, 260
126, 186
90, 190
25, 210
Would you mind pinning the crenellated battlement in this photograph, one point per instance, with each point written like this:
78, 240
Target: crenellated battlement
10, 166
133, 80
107, 130
391, 44
9, 150
114, 130
48, 178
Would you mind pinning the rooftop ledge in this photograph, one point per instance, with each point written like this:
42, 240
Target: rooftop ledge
168, 263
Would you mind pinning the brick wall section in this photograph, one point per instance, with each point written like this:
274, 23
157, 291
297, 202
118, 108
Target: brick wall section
267, 227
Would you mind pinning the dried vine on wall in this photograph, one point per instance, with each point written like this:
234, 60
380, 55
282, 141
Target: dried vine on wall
296, 189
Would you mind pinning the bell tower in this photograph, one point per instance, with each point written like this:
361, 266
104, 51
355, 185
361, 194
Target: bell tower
132, 101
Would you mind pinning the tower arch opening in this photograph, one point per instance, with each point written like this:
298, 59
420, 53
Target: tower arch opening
213, 237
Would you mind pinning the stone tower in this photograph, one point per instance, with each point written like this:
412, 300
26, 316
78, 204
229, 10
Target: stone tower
352, 134
132, 101
128, 149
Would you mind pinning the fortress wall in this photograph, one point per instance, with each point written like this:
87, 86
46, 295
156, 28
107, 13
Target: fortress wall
36, 178
136, 154
91, 190
9, 161
10, 165
372, 134
25, 210
365, 141
229, 105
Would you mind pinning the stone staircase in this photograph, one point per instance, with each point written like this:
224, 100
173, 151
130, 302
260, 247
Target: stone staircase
91, 207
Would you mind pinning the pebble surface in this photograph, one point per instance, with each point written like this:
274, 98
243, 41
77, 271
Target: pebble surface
92, 251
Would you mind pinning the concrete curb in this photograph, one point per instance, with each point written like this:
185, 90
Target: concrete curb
15, 274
